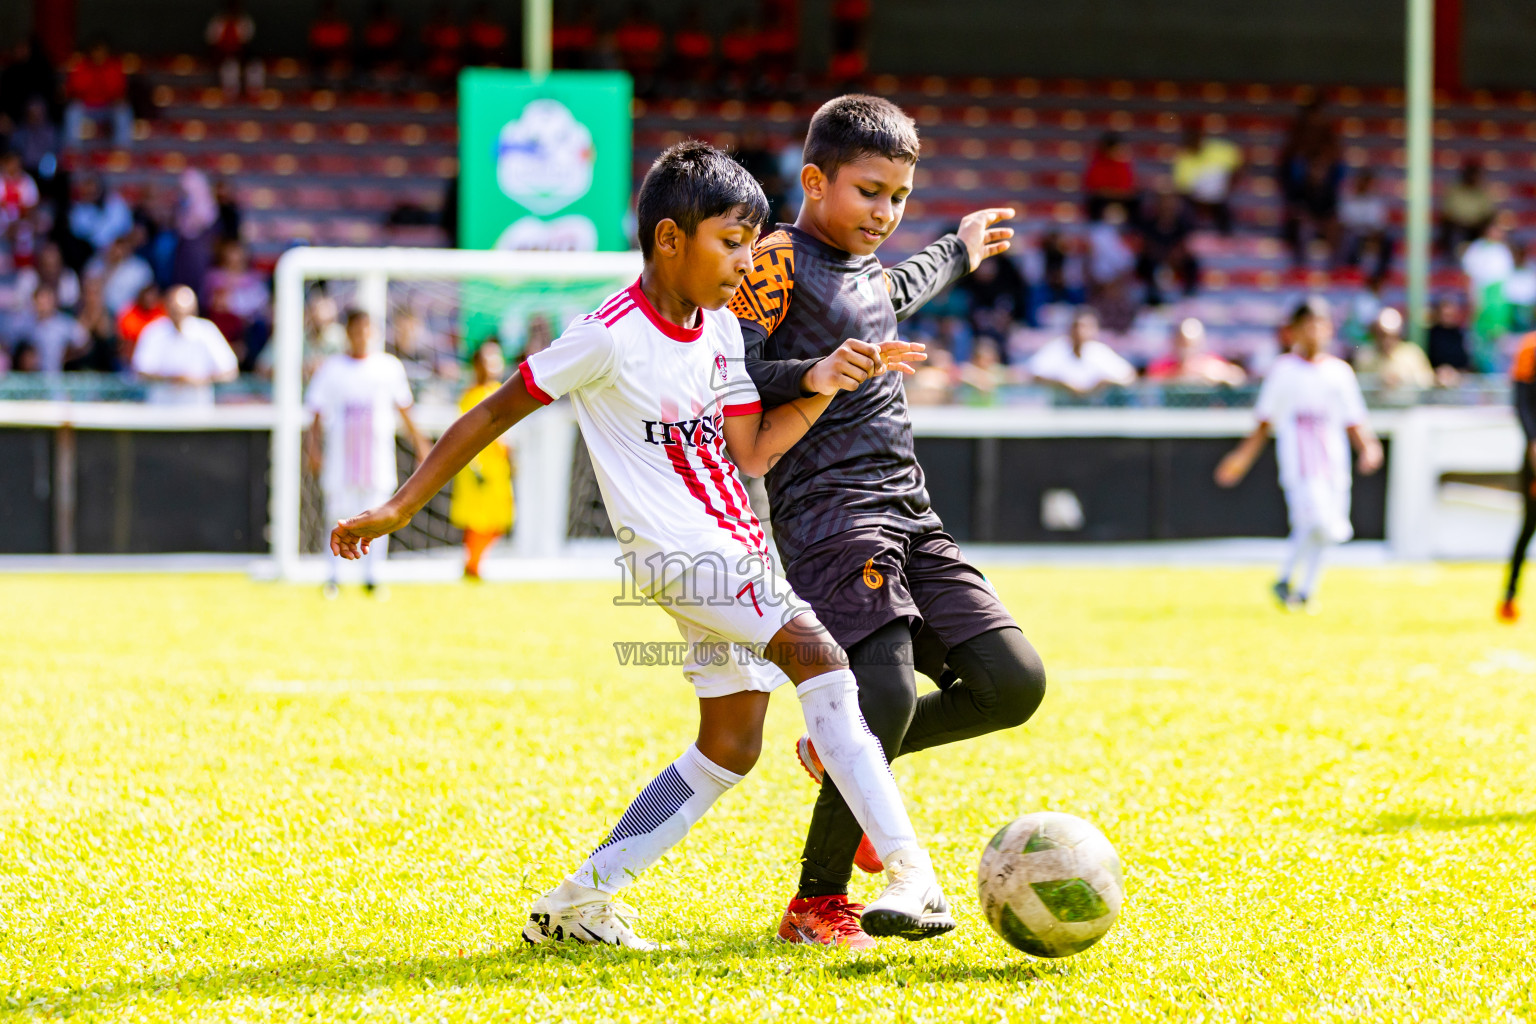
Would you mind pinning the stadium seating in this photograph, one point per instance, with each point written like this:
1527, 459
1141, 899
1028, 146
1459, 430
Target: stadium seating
331, 167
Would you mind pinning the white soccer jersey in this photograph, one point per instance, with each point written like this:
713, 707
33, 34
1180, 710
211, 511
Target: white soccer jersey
1309, 404
652, 398
357, 401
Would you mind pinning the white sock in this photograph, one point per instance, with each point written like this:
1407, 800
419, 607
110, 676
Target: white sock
660, 816
853, 758
1313, 565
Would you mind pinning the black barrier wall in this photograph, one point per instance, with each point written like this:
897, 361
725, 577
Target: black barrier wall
155, 492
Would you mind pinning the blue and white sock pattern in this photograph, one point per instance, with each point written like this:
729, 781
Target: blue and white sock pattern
656, 803
657, 819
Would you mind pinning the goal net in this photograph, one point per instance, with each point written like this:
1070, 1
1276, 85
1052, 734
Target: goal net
433, 308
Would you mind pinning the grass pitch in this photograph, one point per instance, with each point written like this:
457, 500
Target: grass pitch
228, 800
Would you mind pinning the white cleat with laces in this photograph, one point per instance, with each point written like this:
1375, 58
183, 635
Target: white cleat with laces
912, 906
575, 913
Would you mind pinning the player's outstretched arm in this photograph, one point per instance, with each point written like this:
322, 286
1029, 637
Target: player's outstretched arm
1231, 470
461, 442
1364, 439
757, 441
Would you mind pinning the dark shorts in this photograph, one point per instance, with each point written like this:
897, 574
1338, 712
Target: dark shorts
862, 579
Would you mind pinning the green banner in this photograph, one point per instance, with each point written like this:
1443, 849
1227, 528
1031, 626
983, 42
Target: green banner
544, 164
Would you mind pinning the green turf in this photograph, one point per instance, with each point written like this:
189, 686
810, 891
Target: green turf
229, 800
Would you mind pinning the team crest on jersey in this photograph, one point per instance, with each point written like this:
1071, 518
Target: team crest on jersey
720, 365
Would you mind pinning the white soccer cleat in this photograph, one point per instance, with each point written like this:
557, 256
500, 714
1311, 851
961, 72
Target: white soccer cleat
912, 906
574, 913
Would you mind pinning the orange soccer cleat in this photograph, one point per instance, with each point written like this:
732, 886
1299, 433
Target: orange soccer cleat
866, 859
1509, 611
825, 921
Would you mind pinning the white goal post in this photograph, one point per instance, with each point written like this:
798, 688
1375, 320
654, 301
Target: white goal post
541, 528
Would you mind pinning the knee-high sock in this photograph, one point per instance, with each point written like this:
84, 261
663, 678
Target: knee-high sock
657, 819
853, 759
1313, 564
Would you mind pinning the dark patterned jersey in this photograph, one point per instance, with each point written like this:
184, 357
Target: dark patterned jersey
855, 466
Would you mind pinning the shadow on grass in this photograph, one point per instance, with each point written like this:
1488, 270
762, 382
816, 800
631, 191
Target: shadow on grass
1398, 822
513, 965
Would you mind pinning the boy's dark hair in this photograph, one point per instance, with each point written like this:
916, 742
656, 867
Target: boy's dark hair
690, 183
354, 314
1308, 308
854, 126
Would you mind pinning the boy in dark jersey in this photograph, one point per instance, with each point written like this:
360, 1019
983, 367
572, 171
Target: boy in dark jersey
1523, 373
851, 516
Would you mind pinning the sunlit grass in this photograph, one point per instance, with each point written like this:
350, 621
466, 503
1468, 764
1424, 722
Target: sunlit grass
223, 799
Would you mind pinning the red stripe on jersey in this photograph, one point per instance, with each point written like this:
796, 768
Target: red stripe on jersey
741, 514
677, 332
690, 478
741, 493
611, 304
618, 314
742, 410
532, 385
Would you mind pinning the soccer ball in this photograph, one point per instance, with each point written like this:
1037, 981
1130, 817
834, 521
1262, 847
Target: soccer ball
1050, 884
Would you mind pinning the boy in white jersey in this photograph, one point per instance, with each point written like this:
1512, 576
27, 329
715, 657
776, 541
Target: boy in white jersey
352, 400
1312, 403
657, 380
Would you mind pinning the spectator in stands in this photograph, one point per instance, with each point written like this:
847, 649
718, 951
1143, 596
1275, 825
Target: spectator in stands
1312, 209
145, 308
18, 190
97, 90
100, 328
330, 43
1520, 286
693, 52
98, 215
229, 36
1395, 363
182, 355
1447, 341
25, 359
37, 141
444, 43
1165, 232
122, 273
1365, 226
230, 216
486, 38
574, 38
197, 221
1080, 363
931, 384
29, 75
1204, 172
1190, 363
982, 374
1111, 266
231, 326
1111, 177
48, 271
640, 40
1466, 209
850, 40
247, 299
158, 245
380, 41
1060, 272
1310, 172
1488, 263
998, 299
57, 336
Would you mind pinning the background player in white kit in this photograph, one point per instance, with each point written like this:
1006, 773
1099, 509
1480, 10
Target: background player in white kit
657, 379
1312, 403
353, 400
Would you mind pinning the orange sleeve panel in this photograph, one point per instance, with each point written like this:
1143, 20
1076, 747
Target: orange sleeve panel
1524, 368
763, 298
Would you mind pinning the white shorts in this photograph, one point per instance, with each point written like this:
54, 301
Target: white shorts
1320, 505
726, 612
